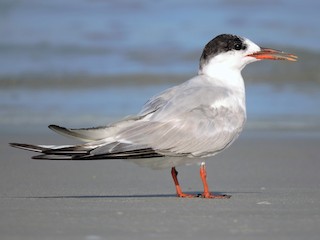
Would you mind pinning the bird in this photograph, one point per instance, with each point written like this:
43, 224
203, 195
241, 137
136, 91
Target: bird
182, 125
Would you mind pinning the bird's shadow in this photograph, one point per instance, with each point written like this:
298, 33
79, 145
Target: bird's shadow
119, 196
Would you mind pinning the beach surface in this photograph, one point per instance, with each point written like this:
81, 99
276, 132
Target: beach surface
273, 177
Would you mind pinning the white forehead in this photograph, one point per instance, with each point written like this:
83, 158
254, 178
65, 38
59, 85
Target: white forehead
251, 46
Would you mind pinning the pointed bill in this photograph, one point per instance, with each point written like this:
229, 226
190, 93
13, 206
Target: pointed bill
272, 54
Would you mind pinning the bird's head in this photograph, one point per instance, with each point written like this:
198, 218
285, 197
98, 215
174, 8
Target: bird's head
230, 52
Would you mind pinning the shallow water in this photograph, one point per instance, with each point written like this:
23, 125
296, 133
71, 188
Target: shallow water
268, 107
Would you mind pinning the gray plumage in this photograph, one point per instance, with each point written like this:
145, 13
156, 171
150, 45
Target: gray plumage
182, 125
186, 121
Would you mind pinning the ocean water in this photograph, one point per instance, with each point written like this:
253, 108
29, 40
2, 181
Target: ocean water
59, 59
268, 107
116, 37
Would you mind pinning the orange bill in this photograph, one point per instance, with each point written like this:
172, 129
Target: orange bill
272, 54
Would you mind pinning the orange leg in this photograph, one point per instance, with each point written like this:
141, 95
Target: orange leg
174, 174
206, 193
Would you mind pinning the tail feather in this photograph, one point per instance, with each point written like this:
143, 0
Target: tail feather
137, 154
52, 157
29, 147
81, 152
74, 150
52, 152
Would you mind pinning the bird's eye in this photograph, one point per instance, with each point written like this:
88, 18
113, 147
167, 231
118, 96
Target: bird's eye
238, 46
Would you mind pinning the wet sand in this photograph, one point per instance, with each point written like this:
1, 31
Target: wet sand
273, 177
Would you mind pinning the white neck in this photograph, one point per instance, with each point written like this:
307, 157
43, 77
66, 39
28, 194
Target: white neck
225, 75
225, 68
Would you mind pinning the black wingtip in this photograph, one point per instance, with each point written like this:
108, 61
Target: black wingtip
18, 145
52, 157
53, 126
29, 147
58, 129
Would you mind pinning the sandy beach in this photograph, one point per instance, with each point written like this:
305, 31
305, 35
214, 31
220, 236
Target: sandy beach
273, 177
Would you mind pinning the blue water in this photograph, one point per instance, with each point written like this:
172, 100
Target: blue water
111, 37
96, 37
266, 107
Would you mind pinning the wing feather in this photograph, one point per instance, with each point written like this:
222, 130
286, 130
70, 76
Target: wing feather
96, 133
200, 125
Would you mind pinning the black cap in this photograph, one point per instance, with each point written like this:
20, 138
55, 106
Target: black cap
221, 43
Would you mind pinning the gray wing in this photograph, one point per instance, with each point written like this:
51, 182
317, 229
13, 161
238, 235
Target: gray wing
195, 121
158, 101
194, 118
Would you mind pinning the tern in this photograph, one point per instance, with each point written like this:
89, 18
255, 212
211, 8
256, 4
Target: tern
182, 125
